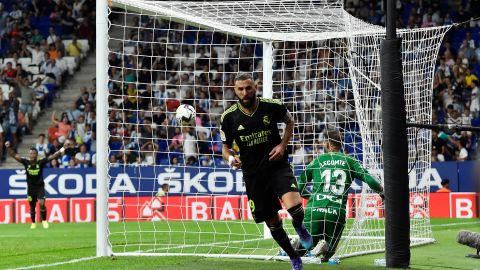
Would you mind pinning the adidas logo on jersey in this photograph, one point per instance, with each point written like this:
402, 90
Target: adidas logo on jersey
240, 127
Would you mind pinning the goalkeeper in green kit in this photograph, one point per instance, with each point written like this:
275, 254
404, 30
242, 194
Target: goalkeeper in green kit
331, 175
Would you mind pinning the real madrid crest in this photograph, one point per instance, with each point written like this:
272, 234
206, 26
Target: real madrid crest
266, 120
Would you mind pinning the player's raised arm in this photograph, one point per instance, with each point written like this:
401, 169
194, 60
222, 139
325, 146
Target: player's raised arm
12, 153
59, 153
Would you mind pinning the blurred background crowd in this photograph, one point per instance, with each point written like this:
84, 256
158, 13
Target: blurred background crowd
42, 46
43, 43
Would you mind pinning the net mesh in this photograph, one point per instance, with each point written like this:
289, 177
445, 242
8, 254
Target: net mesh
177, 195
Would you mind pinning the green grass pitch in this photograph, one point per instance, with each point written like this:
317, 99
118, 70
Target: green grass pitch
22, 247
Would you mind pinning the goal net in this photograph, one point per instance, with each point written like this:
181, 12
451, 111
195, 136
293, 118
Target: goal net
176, 194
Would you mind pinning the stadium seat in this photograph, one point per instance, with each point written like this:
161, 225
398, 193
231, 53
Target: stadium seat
71, 64
164, 161
25, 61
85, 45
33, 69
6, 60
5, 87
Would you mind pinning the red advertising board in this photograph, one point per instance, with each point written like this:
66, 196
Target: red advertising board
57, 210
226, 207
236, 207
6, 211
82, 209
463, 205
440, 205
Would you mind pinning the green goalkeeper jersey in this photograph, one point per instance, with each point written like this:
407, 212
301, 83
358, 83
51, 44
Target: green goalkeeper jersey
331, 175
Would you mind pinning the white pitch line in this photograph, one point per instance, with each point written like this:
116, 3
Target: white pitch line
207, 245
186, 246
455, 224
54, 264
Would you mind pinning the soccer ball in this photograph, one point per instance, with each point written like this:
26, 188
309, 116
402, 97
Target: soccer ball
185, 114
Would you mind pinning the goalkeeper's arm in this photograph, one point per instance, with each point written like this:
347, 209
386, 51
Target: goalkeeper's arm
304, 178
362, 174
374, 184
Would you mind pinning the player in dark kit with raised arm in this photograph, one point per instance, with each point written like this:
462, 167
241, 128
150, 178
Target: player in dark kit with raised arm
252, 124
35, 184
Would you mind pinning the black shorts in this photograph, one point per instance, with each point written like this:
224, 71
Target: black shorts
35, 193
264, 188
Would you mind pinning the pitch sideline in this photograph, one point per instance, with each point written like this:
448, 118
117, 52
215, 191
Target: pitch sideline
54, 264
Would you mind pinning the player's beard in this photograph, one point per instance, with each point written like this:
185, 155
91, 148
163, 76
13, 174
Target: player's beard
247, 102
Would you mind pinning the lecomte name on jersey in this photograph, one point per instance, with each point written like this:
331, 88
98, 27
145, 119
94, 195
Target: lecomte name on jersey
333, 162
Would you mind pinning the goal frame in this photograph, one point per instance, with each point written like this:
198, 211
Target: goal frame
102, 195
102, 192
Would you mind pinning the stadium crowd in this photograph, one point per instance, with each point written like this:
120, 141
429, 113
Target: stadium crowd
456, 99
42, 44
147, 84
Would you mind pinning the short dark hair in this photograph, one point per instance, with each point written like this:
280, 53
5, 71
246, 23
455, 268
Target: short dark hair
41, 135
334, 138
34, 149
445, 182
243, 76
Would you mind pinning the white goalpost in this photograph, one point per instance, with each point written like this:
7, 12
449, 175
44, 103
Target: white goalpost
176, 195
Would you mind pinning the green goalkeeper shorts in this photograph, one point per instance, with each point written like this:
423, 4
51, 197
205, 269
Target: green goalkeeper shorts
325, 223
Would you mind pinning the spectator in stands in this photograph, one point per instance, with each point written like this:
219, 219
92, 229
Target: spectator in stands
68, 23
71, 164
28, 99
3, 19
54, 163
10, 119
52, 37
42, 146
462, 151
24, 52
149, 150
299, 154
37, 38
64, 126
8, 73
81, 102
20, 72
52, 52
38, 55
74, 49
475, 99
174, 161
82, 158
113, 161
445, 186
52, 71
